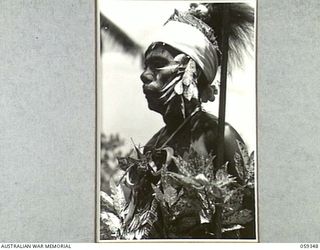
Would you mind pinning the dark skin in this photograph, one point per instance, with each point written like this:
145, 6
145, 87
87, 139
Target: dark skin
199, 133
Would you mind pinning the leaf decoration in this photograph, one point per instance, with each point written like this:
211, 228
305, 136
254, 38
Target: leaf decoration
250, 172
125, 163
209, 168
190, 74
178, 88
130, 209
223, 178
251, 160
244, 152
214, 192
233, 201
106, 201
158, 195
119, 201
202, 179
240, 217
183, 108
111, 222
140, 154
233, 228
185, 181
169, 154
189, 92
239, 166
189, 81
149, 228
205, 216
170, 195
142, 224
187, 199
183, 166
248, 164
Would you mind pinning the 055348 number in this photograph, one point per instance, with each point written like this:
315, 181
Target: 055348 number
308, 245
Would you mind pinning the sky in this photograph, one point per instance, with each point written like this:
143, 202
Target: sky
124, 108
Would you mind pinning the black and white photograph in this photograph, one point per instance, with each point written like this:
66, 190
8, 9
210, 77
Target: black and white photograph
177, 121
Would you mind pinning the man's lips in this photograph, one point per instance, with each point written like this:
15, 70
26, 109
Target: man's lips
151, 94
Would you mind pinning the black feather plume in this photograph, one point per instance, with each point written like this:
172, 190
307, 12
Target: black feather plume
240, 26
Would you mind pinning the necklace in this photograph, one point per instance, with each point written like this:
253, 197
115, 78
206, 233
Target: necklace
177, 130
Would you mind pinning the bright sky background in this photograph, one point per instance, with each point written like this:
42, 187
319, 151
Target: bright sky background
124, 108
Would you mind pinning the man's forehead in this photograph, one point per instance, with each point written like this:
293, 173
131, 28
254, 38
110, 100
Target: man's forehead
160, 51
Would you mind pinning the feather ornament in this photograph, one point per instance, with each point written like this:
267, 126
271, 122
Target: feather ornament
240, 26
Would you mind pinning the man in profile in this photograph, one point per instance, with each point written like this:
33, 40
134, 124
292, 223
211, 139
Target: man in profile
180, 66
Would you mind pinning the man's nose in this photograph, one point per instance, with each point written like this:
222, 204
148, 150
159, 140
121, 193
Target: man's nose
146, 77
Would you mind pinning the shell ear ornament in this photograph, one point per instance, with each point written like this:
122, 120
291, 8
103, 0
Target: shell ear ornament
209, 93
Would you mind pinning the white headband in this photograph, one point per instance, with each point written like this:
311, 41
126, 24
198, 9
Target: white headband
192, 42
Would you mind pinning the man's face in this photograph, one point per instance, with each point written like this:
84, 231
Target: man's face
156, 75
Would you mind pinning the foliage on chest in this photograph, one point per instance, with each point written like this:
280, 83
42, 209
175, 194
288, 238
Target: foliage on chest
177, 202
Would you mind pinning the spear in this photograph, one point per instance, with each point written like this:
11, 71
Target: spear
222, 107
223, 85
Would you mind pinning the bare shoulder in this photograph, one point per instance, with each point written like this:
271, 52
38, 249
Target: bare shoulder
207, 124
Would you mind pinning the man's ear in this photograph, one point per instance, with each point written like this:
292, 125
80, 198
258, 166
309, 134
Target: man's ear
202, 82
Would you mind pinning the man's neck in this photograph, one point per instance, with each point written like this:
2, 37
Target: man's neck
174, 116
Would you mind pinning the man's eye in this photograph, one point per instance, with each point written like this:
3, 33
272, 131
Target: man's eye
158, 64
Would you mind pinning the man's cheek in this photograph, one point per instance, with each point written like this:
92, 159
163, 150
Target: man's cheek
153, 86
163, 79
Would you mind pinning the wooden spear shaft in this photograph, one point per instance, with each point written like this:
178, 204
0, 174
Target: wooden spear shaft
222, 110
223, 85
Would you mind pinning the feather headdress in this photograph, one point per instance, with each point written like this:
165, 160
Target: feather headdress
207, 17
198, 33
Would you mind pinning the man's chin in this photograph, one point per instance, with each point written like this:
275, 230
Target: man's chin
155, 107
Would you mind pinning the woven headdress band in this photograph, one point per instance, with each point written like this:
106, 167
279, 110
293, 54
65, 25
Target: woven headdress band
189, 39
